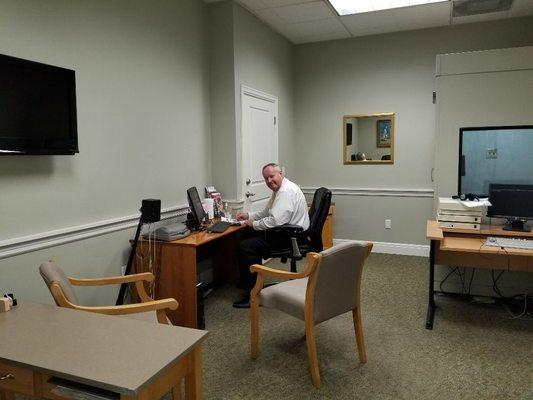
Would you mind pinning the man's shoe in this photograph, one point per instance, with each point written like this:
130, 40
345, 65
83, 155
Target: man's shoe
244, 303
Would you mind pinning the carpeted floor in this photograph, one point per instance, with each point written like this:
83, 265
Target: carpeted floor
474, 352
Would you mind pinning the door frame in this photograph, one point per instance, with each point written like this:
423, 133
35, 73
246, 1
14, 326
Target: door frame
259, 94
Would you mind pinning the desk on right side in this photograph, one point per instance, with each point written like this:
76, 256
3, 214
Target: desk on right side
467, 248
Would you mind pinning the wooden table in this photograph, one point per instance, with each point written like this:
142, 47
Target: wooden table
175, 267
127, 358
467, 248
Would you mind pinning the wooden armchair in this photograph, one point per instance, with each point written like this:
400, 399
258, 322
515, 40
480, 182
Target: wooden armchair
329, 286
60, 287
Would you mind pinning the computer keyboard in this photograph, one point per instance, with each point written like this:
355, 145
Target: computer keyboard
516, 243
219, 227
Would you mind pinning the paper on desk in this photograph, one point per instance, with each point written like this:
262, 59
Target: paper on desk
482, 202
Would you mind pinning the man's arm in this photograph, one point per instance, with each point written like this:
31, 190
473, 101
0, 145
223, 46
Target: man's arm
280, 213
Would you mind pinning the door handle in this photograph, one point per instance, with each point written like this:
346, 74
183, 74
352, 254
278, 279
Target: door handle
249, 194
248, 181
7, 376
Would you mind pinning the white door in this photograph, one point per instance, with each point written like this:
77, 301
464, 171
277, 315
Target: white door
259, 144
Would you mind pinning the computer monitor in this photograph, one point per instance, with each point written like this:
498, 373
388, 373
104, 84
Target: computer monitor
197, 210
513, 202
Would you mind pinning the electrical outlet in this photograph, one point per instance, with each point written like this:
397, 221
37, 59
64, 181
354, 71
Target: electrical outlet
123, 270
388, 224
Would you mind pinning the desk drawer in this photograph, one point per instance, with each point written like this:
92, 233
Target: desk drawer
16, 379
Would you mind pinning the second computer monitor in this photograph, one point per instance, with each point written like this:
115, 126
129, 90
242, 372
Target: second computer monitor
195, 204
514, 202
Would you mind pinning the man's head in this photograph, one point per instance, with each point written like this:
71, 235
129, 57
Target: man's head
273, 176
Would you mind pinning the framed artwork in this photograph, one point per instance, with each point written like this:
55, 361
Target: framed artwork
383, 133
348, 134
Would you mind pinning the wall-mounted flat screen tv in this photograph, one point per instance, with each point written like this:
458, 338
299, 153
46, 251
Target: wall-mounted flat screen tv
37, 108
494, 155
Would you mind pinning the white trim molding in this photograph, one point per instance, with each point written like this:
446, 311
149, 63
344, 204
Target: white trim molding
43, 240
406, 249
377, 192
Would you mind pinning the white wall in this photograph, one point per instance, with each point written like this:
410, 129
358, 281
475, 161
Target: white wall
143, 125
349, 76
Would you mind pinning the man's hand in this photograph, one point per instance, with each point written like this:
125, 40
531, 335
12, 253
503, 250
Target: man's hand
242, 216
249, 223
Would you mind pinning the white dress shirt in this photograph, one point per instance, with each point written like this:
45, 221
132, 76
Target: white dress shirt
286, 206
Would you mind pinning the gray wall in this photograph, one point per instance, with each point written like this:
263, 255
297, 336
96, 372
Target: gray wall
261, 59
491, 88
222, 90
350, 77
143, 110
264, 61
367, 139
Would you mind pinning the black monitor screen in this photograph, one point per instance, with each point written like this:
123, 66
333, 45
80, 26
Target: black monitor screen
511, 201
37, 108
195, 204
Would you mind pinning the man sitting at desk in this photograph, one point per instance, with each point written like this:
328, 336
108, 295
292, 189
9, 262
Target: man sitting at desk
286, 206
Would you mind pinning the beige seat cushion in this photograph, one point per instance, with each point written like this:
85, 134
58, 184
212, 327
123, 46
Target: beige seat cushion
288, 297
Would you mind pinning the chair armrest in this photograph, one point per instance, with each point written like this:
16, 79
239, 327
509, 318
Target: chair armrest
113, 280
153, 305
276, 273
287, 229
312, 261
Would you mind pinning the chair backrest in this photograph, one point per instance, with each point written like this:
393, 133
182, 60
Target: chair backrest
52, 274
338, 279
317, 216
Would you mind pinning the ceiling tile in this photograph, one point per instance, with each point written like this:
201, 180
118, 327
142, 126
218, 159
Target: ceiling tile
323, 37
270, 16
304, 12
370, 23
521, 8
423, 16
480, 17
320, 27
280, 3
263, 4
254, 4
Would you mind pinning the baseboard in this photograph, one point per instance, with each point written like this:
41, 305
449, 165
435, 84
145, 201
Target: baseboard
405, 249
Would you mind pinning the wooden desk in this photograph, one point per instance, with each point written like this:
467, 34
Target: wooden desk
130, 358
467, 249
175, 267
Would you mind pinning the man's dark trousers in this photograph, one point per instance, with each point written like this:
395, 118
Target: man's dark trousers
252, 250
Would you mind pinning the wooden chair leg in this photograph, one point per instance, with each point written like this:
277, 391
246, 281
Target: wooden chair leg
254, 323
311, 350
358, 326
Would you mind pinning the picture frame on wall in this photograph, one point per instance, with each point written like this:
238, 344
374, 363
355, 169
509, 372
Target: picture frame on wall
383, 133
348, 134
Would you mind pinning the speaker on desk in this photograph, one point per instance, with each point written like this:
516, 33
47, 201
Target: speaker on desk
150, 210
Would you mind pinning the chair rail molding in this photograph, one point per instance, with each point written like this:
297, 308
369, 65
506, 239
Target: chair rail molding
43, 240
380, 192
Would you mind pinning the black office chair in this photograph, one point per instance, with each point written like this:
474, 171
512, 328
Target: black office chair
303, 242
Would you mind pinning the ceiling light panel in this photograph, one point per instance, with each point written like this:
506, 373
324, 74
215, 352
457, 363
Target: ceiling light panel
349, 7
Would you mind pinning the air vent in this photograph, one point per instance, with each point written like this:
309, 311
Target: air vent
463, 8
